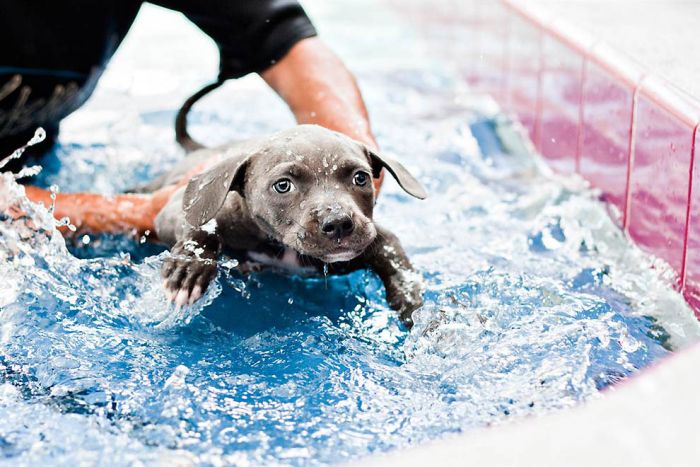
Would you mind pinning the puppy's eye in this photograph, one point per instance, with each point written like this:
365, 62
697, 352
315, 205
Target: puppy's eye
360, 178
284, 185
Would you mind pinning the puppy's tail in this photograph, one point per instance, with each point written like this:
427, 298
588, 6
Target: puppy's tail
182, 137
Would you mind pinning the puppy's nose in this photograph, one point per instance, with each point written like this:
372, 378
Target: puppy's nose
338, 226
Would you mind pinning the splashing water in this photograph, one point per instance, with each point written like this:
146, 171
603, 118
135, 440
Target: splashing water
534, 302
39, 136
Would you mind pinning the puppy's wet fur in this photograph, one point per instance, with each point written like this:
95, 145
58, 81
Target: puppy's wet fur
301, 200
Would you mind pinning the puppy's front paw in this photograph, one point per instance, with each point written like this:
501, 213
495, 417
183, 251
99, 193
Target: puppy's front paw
187, 273
404, 292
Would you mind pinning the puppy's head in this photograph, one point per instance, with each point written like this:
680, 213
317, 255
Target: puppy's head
309, 188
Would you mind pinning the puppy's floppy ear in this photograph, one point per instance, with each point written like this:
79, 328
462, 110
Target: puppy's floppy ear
206, 192
406, 181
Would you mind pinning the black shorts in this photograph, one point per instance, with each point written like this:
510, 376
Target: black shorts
53, 52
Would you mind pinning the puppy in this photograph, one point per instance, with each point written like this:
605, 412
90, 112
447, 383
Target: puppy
300, 200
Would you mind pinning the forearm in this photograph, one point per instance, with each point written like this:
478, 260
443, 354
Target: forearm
319, 89
101, 214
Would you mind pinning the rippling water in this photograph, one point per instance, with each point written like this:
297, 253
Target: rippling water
534, 300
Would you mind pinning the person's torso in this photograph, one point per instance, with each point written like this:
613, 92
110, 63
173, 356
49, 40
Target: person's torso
51, 55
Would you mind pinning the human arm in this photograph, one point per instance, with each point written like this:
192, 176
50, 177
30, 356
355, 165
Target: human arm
93, 212
319, 89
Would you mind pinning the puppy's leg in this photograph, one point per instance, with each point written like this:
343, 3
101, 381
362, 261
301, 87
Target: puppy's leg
191, 266
403, 285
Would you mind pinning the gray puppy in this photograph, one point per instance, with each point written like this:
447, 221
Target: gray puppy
299, 200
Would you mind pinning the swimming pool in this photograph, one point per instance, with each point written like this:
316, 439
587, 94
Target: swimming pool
535, 300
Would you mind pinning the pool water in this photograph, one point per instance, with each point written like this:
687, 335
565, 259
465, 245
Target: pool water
534, 300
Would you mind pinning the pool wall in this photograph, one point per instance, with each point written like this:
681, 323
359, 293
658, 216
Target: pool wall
588, 109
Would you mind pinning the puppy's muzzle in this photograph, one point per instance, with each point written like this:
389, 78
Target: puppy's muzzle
337, 226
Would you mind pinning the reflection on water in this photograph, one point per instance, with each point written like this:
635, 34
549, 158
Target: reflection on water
534, 300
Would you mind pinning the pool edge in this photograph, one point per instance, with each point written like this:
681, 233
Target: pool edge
644, 421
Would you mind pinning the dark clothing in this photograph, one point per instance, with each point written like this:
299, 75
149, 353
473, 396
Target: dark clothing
52, 52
